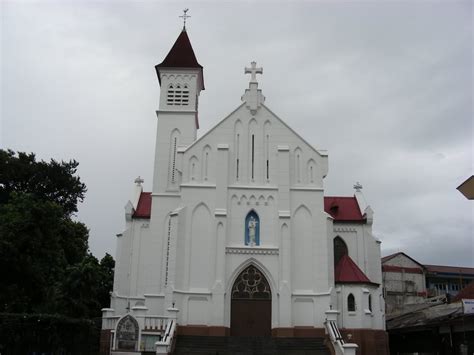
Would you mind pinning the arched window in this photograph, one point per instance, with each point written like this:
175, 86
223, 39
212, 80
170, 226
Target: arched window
252, 229
340, 249
370, 303
351, 305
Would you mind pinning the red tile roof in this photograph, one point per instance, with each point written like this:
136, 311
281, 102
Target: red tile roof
181, 55
347, 210
347, 271
343, 209
144, 206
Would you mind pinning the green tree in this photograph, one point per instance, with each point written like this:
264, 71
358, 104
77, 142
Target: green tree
53, 181
44, 260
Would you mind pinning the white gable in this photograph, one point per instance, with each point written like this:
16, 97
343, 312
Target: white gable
253, 141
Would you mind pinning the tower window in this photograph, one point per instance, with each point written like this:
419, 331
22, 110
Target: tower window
351, 306
340, 249
253, 155
238, 154
178, 96
267, 148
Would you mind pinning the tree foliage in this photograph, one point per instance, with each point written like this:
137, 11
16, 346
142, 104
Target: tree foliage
53, 181
44, 260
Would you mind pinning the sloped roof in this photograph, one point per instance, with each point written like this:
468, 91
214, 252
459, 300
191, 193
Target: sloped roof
391, 256
144, 206
347, 271
426, 314
181, 55
449, 269
343, 209
348, 209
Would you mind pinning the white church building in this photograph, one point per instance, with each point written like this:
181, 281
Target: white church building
236, 236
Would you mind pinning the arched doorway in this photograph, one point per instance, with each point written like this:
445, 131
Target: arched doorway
251, 304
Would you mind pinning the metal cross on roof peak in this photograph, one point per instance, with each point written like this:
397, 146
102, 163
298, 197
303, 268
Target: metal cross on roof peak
139, 181
253, 71
184, 17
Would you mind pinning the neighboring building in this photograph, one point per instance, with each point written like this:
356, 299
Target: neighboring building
403, 281
407, 282
450, 280
237, 237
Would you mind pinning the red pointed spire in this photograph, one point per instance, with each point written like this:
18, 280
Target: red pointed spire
347, 271
181, 55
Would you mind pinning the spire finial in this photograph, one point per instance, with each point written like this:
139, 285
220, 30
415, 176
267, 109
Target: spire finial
184, 17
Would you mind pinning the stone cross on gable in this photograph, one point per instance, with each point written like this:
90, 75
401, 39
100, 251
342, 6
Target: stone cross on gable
253, 71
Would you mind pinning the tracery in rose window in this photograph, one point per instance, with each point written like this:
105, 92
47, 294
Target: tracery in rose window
251, 284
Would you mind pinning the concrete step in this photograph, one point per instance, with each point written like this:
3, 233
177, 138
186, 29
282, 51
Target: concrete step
249, 346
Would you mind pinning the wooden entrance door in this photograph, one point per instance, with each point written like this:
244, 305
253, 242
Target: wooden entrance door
251, 305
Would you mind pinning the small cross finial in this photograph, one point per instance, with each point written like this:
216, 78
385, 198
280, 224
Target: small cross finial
253, 71
184, 17
139, 181
357, 186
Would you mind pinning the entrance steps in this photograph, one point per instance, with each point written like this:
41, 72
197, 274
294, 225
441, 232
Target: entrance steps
233, 345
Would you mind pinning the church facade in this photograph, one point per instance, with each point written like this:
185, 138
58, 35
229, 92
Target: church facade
236, 236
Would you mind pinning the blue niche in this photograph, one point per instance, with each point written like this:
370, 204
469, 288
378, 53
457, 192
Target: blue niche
252, 229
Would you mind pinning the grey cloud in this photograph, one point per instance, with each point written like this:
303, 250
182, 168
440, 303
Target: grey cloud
385, 87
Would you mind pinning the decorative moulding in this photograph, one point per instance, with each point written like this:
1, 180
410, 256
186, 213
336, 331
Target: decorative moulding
199, 186
252, 250
253, 187
284, 214
222, 147
345, 229
306, 188
220, 212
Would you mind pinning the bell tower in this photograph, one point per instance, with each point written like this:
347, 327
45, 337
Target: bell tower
181, 80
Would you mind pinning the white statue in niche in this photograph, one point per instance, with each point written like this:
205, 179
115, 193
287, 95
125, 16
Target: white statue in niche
252, 230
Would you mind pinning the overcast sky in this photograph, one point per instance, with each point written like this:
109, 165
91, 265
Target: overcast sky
385, 87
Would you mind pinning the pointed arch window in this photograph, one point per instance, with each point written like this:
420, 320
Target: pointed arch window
351, 306
340, 249
252, 229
